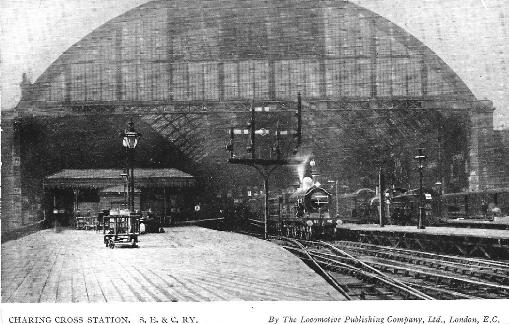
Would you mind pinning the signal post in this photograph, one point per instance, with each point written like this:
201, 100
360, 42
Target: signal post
265, 166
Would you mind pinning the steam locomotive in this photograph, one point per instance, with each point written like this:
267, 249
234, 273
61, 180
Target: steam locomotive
305, 213
309, 215
302, 214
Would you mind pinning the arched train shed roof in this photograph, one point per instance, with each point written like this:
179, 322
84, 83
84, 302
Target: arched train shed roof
199, 55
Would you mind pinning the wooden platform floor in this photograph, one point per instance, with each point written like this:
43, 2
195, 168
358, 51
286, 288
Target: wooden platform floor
182, 264
430, 230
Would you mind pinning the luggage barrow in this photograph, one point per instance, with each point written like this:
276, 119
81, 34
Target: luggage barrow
122, 230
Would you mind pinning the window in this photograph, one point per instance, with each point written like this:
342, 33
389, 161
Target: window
383, 77
254, 73
230, 80
93, 81
332, 78
160, 80
210, 81
293, 76
78, 77
195, 71
153, 40
130, 43
414, 77
399, 76
108, 82
196, 44
57, 88
296, 33
129, 86
180, 81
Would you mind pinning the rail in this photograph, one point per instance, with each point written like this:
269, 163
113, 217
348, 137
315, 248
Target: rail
438, 260
414, 265
410, 273
196, 221
367, 266
368, 273
321, 270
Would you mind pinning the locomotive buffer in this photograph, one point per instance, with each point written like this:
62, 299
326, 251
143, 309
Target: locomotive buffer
265, 166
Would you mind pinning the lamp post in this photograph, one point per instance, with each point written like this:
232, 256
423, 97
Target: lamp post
129, 141
420, 157
438, 185
314, 172
125, 177
312, 164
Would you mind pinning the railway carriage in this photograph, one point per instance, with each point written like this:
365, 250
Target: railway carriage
404, 207
356, 207
484, 205
483, 209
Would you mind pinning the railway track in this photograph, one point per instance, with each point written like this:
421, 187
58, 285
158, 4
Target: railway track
486, 270
352, 281
366, 271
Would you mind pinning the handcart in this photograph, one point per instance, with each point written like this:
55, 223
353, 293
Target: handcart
121, 228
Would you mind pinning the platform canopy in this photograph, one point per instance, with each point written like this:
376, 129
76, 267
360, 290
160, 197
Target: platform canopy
104, 178
117, 190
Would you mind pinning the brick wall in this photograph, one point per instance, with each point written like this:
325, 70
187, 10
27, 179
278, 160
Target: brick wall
12, 215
